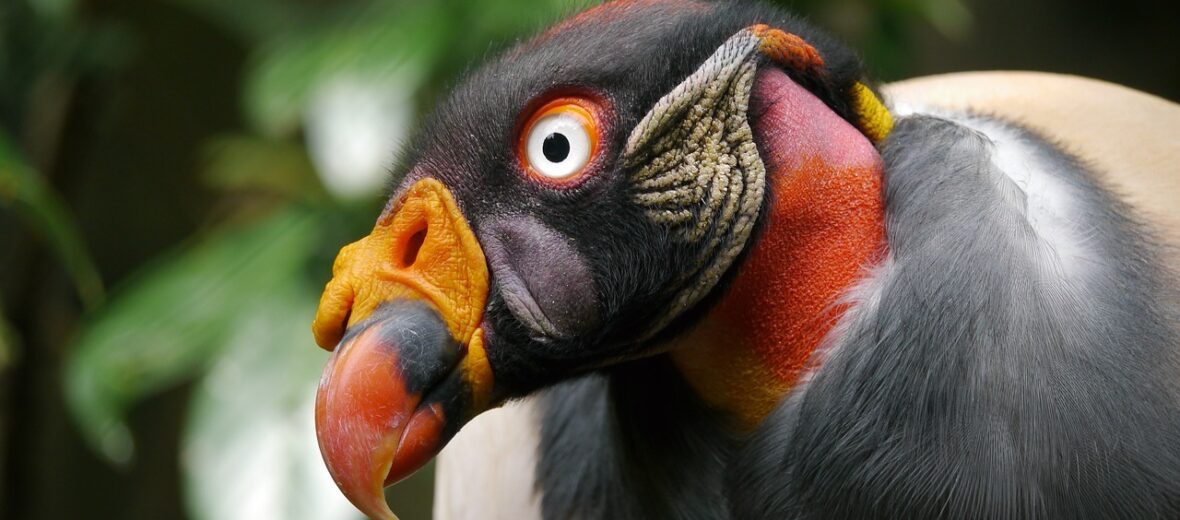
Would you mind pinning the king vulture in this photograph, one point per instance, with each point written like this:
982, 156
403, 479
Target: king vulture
701, 267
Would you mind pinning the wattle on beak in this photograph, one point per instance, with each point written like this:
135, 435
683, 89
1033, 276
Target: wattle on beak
402, 313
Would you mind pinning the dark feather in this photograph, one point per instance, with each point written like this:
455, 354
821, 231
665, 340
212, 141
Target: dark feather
633, 443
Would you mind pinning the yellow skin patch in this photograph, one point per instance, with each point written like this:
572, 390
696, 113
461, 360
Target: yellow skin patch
875, 120
478, 372
421, 249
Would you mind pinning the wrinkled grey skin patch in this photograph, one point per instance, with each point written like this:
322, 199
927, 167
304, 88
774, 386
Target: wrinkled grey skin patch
696, 168
978, 383
545, 283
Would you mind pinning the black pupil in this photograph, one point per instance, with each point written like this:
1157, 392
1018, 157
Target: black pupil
556, 147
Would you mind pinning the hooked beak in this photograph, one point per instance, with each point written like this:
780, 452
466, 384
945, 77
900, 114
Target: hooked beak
404, 305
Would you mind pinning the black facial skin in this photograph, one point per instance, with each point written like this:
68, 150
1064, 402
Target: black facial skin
540, 277
621, 266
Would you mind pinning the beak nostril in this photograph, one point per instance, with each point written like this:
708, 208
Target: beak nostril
413, 246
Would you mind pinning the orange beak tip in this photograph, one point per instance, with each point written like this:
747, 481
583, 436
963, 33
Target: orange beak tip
420, 442
359, 417
372, 423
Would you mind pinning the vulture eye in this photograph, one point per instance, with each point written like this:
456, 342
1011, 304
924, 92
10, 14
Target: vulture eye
559, 139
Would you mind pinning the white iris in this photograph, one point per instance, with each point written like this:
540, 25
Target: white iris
558, 146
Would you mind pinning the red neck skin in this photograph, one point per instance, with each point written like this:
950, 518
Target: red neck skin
822, 229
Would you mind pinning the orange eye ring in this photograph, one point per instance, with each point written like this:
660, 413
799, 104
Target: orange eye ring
571, 125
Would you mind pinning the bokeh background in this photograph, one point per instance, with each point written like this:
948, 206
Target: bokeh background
177, 175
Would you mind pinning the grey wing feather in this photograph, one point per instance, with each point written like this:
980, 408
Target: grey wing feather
1015, 358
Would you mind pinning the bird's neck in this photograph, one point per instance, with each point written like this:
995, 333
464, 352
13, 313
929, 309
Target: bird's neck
822, 229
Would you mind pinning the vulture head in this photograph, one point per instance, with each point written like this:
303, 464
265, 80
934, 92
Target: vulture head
642, 179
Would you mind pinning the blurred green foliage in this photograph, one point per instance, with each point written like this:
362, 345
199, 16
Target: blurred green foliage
178, 317
23, 192
883, 29
327, 92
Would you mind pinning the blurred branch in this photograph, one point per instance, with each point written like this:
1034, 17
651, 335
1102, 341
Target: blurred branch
23, 191
9, 343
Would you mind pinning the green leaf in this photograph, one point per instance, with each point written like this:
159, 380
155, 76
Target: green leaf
24, 191
171, 322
